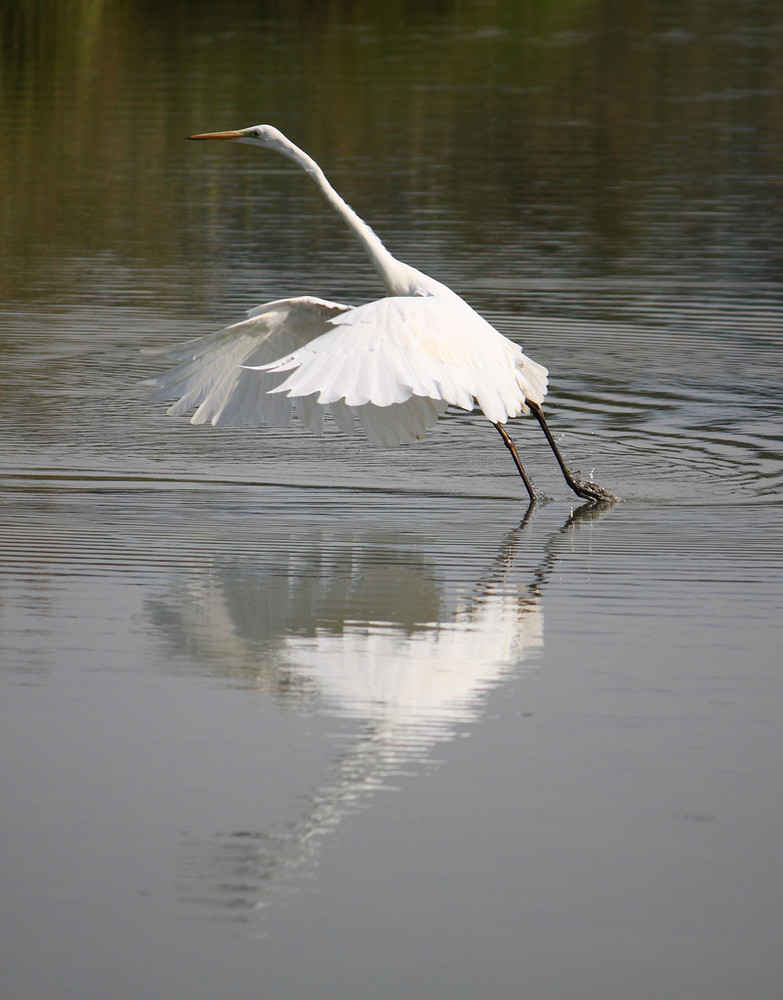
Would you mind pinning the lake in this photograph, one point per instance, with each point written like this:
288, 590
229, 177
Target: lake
294, 717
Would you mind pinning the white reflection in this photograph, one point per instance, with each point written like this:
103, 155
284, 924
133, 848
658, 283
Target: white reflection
365, 627
427, 680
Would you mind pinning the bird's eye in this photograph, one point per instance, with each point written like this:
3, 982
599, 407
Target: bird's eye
257, 133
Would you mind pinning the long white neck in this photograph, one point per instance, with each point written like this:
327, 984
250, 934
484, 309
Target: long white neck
398, 278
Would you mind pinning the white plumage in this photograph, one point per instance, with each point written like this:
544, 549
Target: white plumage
393, 365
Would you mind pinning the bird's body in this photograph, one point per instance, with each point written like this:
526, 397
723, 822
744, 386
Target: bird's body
393, 364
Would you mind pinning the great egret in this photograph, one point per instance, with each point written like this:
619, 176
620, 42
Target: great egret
395, 364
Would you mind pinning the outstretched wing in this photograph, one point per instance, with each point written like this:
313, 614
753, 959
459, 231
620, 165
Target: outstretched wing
395, 364
432, 348
211, 379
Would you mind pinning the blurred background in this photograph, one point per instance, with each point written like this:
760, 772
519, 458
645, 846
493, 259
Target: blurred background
598, 140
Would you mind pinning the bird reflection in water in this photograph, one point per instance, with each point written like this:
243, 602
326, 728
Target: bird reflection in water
361, 627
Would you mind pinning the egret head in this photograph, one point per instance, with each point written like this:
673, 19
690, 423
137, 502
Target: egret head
257, 135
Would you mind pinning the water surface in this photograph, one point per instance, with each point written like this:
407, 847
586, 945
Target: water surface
298, 717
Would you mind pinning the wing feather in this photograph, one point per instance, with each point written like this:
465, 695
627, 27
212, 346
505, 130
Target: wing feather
388, 351
399, 423
343, 416
210, 376
394, 364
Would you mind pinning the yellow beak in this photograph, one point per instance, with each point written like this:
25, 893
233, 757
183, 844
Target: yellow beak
216, 135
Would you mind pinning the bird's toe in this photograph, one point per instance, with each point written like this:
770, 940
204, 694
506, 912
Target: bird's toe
593, 492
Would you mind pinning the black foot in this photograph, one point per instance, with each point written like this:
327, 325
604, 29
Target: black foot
592, 492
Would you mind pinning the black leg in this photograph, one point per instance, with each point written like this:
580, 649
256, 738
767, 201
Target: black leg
588, 491
512, 448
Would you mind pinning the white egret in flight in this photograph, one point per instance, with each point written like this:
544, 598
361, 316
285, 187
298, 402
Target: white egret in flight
394, 364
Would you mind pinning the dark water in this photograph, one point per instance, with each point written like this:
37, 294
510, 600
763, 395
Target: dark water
297, 717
